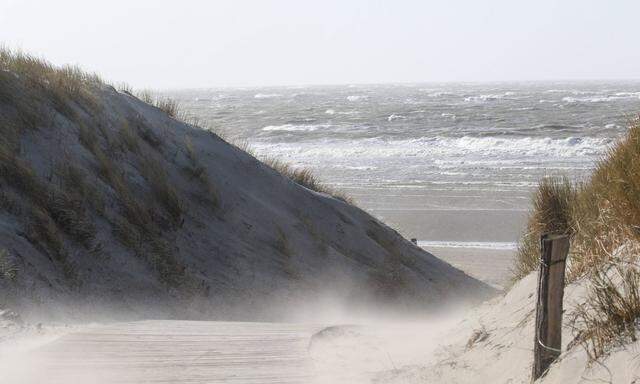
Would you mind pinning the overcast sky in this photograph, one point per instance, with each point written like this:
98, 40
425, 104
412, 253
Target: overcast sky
189, 43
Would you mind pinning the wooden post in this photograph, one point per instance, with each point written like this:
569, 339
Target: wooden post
548, 326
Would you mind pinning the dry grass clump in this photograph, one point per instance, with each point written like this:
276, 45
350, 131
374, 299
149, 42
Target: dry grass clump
162, 189
197, 171
282, 243
45, 83
165, 104
149, 136
611, 314
600, 215
74, 182
19, 174
127, 138
10, 202
43, 231
8, 269
305, 178
553, 207
66, 211
69, 212
283, 246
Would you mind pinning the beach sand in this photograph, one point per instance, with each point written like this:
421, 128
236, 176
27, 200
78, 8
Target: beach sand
493, 266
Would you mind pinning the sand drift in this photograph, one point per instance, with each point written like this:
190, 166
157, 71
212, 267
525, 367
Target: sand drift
217, 352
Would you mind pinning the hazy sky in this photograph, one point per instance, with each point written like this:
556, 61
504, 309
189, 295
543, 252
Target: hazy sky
189, 43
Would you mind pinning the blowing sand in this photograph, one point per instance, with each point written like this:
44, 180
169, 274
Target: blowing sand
222, 352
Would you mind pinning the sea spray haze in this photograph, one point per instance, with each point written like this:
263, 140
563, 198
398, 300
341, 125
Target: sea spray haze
463, 157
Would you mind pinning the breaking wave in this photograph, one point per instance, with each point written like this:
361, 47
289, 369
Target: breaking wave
444, 148
295, 128
356, 97
265, 95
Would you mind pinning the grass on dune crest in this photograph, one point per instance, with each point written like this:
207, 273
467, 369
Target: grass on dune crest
602, 218
306, 178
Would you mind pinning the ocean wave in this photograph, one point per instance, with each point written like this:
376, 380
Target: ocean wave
571, 91
601, 99
557, 127
438, 93
466, 149
395, 117
330, 112
296, 128
360, 167
356, 97
265, 95
483, 98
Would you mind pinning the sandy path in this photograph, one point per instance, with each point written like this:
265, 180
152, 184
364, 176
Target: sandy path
223, 352
174, 352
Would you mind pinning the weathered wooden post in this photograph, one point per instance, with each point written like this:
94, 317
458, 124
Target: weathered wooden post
548, 326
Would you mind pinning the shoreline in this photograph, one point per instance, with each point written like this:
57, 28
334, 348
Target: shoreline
491, 266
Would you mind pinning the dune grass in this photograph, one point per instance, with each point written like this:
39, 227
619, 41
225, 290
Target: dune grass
47, 84
306, 178
553, 206
600, 215
609, 316
165, 104
602, 218
8, 269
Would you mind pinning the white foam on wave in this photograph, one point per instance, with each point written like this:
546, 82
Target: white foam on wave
330, 112
296, 128
602, 99
438, 93
466, 149
570, 91
491, 97
507, 246
395, 117
356, 97
266, 95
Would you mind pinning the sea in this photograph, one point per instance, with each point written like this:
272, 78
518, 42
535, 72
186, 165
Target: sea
451, 164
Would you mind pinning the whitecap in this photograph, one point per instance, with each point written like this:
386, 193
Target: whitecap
295, 128
356, 97
330, 112
265, 95
395, 117
469, 149
601, 99
483, 98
